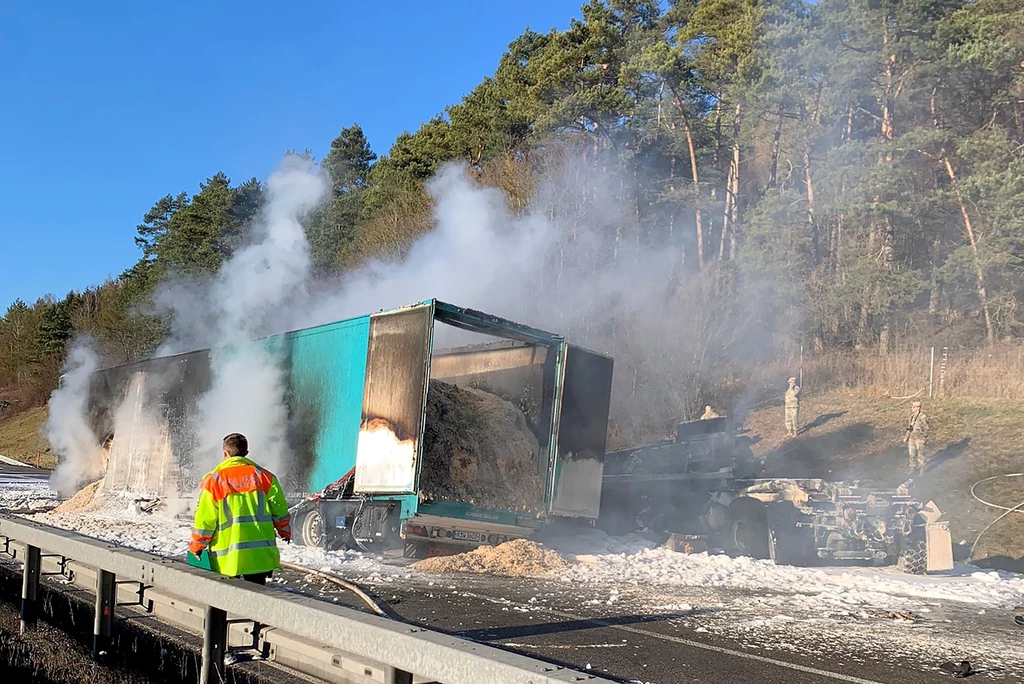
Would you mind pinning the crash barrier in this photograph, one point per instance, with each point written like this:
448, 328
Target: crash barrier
326, 641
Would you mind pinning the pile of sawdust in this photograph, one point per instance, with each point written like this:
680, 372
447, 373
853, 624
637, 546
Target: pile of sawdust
478, 449
82, 501
516, 558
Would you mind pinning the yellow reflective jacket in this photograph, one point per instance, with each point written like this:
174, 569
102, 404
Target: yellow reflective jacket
241, 506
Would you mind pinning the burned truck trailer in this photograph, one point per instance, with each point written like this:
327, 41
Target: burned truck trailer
400, 485
376, 457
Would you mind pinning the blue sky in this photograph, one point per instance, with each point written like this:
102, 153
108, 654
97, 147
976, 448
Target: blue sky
107, 109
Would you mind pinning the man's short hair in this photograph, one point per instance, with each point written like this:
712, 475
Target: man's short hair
236, 444
916, 404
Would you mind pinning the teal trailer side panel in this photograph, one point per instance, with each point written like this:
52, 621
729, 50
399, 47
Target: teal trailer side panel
327, 371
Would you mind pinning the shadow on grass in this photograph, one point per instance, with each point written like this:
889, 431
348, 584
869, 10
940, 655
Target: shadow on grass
1007, 563
816, 456
949, 453
821, 420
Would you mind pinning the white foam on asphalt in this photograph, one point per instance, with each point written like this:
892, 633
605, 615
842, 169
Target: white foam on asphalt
634, 561
18, 493
775, 610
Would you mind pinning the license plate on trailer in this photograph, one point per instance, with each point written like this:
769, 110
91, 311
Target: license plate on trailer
467, 536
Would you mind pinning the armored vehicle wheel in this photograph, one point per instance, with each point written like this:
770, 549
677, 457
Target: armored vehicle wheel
913, 556
748, 528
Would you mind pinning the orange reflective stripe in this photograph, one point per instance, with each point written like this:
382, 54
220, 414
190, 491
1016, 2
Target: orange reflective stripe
240, 479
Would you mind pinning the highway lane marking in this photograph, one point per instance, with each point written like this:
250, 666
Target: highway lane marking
688, 642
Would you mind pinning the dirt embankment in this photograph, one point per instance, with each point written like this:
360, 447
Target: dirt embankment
854, 436
478, 449
21, 438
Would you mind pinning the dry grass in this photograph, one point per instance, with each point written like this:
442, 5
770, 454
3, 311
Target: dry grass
20, 438
857, 435
996, 373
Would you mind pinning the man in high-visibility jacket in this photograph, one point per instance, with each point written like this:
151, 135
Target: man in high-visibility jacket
241, 507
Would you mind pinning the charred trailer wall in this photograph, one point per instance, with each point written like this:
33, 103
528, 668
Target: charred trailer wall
582, 434
146, 411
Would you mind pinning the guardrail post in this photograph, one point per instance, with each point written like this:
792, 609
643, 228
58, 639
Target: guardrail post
106, 599
30, 589
215, 639
393, 676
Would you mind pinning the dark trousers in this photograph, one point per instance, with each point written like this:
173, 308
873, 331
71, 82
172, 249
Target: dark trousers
258, 578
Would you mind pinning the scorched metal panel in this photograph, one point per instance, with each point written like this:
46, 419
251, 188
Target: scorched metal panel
326, 373
394, 401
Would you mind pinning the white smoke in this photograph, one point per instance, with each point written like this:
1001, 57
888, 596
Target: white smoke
478, 255
78, 449
249, 298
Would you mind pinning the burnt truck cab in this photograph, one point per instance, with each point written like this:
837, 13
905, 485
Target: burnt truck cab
369, 453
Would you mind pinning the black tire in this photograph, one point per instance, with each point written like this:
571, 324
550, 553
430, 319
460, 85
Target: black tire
913, 558
311, 531
747, 529
789, 544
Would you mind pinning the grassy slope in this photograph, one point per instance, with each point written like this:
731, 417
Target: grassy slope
20, 437
847, 436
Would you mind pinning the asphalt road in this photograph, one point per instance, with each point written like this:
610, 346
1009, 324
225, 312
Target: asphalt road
578, 628
18, 473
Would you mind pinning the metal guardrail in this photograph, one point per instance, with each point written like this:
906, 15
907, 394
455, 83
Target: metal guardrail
405, 650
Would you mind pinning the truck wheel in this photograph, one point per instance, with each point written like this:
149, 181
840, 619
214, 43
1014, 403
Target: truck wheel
913, 556
311, 533
748, 528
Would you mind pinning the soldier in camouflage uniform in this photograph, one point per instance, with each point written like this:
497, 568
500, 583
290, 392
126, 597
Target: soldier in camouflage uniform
792, 408
709, 413
915, 438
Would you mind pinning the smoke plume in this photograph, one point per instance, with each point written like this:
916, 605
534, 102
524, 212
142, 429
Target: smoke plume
249, 298
67, 426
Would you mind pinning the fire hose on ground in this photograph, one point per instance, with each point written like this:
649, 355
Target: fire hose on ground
341, 582
1007, 510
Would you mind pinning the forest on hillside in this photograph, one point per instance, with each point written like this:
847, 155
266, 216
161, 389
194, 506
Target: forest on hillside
845, 176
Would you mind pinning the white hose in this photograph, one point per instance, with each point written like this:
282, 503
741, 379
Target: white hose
1019, 508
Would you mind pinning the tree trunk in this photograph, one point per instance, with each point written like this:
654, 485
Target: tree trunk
716, 148
811, 222
735, 182
979, 271
726, 215
773, 169
696, 192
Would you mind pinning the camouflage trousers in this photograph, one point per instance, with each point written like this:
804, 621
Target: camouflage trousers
792, 419
915, 451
